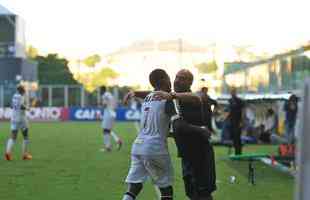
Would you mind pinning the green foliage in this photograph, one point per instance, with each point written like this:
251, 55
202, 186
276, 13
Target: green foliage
32, 52
205, 68
92, 80
108, 72
54, 70
92, 60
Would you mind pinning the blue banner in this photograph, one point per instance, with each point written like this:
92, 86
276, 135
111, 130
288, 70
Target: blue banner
93, 114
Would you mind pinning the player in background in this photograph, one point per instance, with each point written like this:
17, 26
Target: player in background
109, 115
18, 122
149, 154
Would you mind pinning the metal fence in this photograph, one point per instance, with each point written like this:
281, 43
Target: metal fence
54, 95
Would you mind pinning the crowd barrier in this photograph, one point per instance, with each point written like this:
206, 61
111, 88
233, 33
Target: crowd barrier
71, 114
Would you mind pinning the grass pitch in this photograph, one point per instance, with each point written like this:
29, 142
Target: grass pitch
67, 165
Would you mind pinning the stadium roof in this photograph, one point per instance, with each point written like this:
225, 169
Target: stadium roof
5, 11
267, 97
236, 67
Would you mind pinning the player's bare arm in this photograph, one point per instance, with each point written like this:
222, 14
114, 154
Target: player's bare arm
132, 94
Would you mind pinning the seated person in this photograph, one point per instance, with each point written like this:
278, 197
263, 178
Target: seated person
249, 119
252, 135
270, 127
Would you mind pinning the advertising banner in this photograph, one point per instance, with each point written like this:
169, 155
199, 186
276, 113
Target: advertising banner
74, 114
39, 114
93, 114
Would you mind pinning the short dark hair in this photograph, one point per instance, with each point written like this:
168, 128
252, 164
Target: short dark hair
270, 111
156, 76
204, 88
103, 89
293, 98
20, 89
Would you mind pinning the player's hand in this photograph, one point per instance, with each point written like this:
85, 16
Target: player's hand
127, 97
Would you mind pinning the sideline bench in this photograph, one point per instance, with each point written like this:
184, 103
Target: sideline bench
250, 158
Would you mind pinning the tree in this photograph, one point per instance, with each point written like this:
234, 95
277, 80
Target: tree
54, 70
92, 80
206, 68
92, 60
32, 52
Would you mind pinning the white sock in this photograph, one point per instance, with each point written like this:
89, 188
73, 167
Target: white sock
115, 137
10, 145
25, 146
127, 197
158, 193
107, 140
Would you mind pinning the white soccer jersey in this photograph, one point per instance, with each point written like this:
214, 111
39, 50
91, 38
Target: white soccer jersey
18, 114
108, 100
154, 128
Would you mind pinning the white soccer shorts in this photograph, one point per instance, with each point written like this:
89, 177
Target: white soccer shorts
108, 119
19, 125
156, 167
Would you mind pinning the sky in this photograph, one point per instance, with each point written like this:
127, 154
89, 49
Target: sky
77, 28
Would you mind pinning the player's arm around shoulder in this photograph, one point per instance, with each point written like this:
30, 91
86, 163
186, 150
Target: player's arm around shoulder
183, 96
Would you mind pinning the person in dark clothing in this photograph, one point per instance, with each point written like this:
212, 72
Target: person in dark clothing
291, 109
196, 152
194, 148
236, 106
207, 106
192, 142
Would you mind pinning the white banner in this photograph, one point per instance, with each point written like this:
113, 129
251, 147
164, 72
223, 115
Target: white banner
35, 114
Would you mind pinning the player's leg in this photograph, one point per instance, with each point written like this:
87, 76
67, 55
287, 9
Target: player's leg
111, 121
189, 184
166, 193
107, 127
136, 176
160, 170
107, 146
117, 139
236, 133
25, 147
203, 173
11, 141
133, 191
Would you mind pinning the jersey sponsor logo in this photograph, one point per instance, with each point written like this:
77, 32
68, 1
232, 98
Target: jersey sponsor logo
139, 141
152, 97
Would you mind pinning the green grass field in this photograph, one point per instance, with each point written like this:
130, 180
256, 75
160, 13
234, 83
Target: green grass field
67, 165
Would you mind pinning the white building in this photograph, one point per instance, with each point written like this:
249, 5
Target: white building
12, 32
